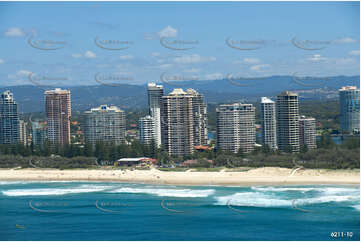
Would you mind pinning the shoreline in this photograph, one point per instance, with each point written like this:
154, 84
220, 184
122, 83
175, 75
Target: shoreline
255, 176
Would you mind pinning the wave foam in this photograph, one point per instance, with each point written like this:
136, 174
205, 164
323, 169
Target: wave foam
326, 190
166, 192
53, 191
282, 189
252, 199
257, 199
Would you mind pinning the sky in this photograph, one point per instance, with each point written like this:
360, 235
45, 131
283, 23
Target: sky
90, 43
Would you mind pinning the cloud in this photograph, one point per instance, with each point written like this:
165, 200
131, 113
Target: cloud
344, 61
150, 36
14, 32
213, 76
248, 61
317, 58
168, 32
346, 40
2, 61
126, 57
89, 54
260, 67
354, 52
192, 70
164, 66
76, 55
194, 58
19, 74
155, 54
23, 73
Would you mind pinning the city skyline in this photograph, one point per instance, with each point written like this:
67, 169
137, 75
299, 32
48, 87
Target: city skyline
184, 122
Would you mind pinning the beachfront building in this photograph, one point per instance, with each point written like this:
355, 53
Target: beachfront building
105, 124
23, 134
38, 133
58, 112
146, 130
349, 109
155, 93
140, 162
200, 118
288, 137
307, 128
268, 119
9, 119
184, 121
236, 130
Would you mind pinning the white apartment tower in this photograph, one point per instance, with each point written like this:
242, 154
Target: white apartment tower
23, 134
155, 93
105, 124
268, 119
146, 130
236, 127
184, 121
308, 132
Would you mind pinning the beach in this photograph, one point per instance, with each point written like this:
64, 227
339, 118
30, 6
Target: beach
254, 176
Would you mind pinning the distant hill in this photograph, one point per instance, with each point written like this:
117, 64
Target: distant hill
126, 96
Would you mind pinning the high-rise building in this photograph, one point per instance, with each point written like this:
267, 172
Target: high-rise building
146, 130
155, 93
23, 134
288, 137
58, 112
38, 133
9, 119
236, 129
268, 119
184, 120
349, 109
105, 124
200, 118
308, 132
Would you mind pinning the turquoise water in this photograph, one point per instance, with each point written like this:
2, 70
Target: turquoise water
125, 211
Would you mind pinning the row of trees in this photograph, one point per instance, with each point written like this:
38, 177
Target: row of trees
328, 154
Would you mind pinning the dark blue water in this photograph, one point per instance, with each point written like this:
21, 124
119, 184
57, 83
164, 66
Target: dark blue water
123, 211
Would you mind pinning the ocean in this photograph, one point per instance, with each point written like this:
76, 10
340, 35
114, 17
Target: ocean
128, 211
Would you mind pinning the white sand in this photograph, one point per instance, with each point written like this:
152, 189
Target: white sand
268, 175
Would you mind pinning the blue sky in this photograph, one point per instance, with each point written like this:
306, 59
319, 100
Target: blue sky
135, 42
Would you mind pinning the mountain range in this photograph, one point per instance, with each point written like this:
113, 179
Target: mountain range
127, 96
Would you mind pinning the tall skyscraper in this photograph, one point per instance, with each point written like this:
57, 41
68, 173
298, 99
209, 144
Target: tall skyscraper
308, 132
146, 130
236, 129
288, 137
349, 109
9, 119
105, 124
182, 114
58, 112
38, 133
155, 93
200, 118
23, 134
268, 119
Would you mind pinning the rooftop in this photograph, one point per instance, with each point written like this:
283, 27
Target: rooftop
347, 88
266, 100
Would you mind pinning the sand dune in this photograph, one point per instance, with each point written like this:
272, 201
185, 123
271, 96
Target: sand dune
267, 175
